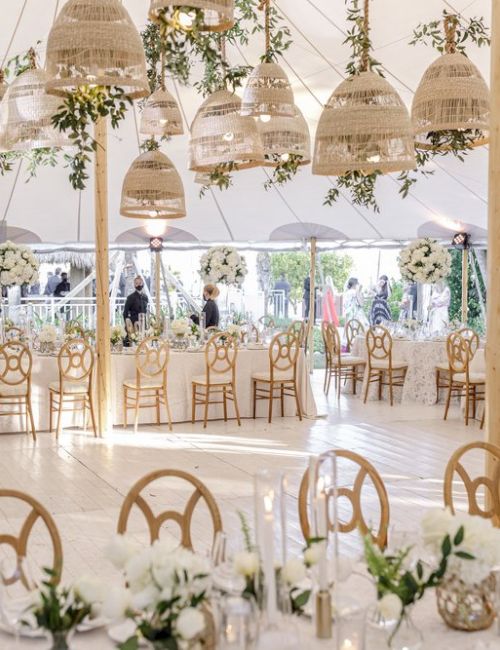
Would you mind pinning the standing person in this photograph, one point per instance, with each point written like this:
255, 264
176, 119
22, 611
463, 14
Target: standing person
210, 308
306, 296
353, 302
54, 281
439, 317
409, 301
283, 286
46, 291
136, 303
380, 311
63, 287
329, 311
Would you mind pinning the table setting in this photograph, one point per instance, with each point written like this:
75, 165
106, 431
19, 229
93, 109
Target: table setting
437, 587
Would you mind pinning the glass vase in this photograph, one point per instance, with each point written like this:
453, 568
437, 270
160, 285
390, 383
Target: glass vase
392, 634
467, 607
60, 640
14, 303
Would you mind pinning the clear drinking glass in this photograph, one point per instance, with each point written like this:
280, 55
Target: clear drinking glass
239, 624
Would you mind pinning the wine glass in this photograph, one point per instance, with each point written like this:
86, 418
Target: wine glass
238, 623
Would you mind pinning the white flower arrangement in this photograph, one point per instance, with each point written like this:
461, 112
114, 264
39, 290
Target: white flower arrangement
234, 331
223, 265
180, 327
424, 261
116, 334
481, 541
166, 588
18, 265
48, 334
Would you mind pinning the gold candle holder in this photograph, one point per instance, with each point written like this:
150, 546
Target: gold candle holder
324, 627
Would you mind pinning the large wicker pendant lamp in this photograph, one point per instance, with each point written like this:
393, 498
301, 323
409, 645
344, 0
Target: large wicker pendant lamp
268, 92
161, 115
283, 137
215, 15
364, 127
152, 189
452, 96
26, 113
220, 135
95, 42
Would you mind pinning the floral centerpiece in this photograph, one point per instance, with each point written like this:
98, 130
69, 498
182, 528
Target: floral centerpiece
47, 337
59, 610
116, 335
234, 331
181, 328
223, 265
166, 593
424, 261
466, 594
18, 265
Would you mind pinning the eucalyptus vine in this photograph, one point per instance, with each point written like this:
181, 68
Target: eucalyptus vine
219, 176
284, 169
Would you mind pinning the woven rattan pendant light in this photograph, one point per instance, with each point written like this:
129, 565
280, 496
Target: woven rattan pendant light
26, 113
214, 15
268, 92
364, 127
452, 96
3, 85
220, 135
285, 136
161, 115
95, 42
152, 189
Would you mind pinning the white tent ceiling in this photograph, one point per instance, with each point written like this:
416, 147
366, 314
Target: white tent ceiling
453, 198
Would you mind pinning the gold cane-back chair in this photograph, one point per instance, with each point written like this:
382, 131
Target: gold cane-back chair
381, 367
489, 484
340, 366
366, 479
167, 499
19, 543
149, 388
74, 388
442, 369
463, 383
14, 333
280, 380
352, 329
75, 329
15, 382
299, 329
218, 384
267, 322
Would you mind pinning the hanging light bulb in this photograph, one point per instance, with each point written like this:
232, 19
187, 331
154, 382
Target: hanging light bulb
215, 15
152, 189
161, 115
220, 135
264, 118
95, 43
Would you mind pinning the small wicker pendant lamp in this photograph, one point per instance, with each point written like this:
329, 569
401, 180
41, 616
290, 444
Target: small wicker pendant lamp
95, 42
216, 15
152, 189
285, 136
26, 113
268, 92
452, 96
161, 115
364, 127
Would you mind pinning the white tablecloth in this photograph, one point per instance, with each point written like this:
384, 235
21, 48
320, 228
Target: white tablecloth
182, 368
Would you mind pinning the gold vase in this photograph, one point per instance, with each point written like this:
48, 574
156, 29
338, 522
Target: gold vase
467, 607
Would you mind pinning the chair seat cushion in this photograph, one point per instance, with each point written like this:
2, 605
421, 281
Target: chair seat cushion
152, 384
278, 375
474, 378
384, 365
215, 379
20, 390
350, 360
70, 388
442, 366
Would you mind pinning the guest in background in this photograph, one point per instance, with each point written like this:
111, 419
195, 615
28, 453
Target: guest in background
329, 311
210, 308
353, 302
306, 296
46, 291
439, 317
136, 303
282, 286
63, 287
409, 301
380, 311
53, 281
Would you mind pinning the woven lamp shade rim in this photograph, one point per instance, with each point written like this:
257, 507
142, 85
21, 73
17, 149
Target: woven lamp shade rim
130, 213
134, 89
222, 13
367, 168
302, 163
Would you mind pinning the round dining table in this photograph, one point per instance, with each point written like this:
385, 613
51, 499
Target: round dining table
182, 367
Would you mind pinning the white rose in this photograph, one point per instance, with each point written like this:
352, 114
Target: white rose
294, 571
138, 570
312, 554
120, 550
246, 564
117, 601
435, 526
190, 623
90, 589
390, 607
147, 597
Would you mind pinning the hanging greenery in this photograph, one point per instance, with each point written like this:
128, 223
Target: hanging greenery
79, 110
220, 177
284, 170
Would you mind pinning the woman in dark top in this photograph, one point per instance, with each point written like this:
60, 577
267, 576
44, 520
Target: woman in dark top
210, 309
381, 312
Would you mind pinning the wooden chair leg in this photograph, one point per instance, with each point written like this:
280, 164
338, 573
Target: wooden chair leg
438, 382
125, 409
51, 412
59, 416
137, 396
158, 416
297, 402
32, 420
329, 380
380, 376
224, 402
271, 399
327, 372
467, 398
339, 381
367, 385
391, 388
236, 408
167, 406
207, 398
92, 415
448, 400
193, 404
354, 379
474, 401
254, 399
282, 400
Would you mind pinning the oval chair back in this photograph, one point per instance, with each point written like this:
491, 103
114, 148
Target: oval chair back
366, 473
14, 333
352, 329
15, 364
379, 345
182, 518
458, 351
221, 353
472, 339
76, 362
151, 360
298, 327
283, 355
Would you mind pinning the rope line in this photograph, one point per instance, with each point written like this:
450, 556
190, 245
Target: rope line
14, 33
365, 57
13, 189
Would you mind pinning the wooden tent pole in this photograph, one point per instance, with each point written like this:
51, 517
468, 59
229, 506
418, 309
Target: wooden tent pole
158, 284
465, 285
493, 293
103, 350
312, 305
